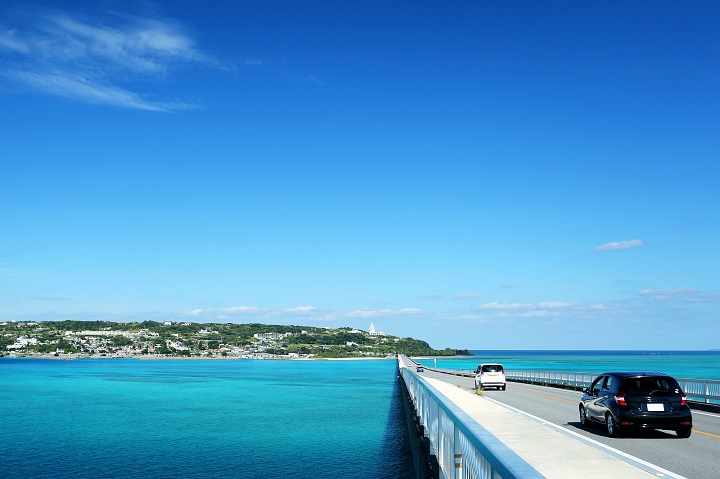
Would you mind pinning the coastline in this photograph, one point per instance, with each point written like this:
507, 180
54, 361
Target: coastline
65, 357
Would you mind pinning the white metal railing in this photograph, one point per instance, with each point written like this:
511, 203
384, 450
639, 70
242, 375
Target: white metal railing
580, 380
701, 390
463, 448
706, 390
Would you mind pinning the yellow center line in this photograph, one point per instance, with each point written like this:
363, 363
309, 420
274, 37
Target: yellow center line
577, 402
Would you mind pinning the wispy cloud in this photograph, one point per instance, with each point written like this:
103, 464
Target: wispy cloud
100, 59
615, 245
370, 313
90, 90
496, 305
554, 305
680, 295
11, 269
537, 313
256, 313
542, 309
306, 78
300, 309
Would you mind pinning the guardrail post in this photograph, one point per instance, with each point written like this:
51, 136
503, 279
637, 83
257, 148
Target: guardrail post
707, 393
457, 452
436, 421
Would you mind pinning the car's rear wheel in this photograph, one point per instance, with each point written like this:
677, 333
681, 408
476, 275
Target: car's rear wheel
684, 433
612, 428
583, 417
504, 386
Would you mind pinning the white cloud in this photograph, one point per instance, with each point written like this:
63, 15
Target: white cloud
368, 313
496, 305
534, 314
666, 292
615, 245
90, 90
680, 295
554, 305
300, 309
96, 59
309, 78
549, 309
11, 42
195, 312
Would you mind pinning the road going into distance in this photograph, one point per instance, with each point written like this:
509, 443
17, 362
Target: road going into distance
697, 457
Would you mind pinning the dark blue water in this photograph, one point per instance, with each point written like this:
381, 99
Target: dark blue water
202, 419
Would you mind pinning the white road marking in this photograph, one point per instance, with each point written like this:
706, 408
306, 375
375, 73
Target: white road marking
652, 468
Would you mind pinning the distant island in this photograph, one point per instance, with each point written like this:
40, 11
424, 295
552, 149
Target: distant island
151, 339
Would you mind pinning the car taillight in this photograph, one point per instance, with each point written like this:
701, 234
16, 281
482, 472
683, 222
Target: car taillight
620, 399
683, 398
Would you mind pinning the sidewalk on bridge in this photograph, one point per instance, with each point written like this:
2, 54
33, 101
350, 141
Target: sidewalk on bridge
552, 453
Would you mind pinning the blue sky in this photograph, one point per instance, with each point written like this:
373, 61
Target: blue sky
484, 175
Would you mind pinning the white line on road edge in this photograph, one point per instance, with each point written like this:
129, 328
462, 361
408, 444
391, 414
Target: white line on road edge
706, 414
636, 461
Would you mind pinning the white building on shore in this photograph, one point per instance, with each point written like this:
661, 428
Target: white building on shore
375, 333
270, 336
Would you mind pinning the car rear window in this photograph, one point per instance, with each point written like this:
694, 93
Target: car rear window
645, 386
492, 368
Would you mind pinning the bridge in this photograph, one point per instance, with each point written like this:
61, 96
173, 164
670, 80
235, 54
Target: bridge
533, 431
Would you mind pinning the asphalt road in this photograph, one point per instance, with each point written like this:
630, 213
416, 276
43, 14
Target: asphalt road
697, 457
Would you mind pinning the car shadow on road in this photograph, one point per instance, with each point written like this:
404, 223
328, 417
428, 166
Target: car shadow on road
599, 430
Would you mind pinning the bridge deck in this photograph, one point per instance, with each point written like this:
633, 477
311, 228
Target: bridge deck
553, 453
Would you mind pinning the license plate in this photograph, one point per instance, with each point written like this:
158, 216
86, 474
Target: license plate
655, 407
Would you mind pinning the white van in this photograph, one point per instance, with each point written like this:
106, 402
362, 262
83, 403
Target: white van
490, 376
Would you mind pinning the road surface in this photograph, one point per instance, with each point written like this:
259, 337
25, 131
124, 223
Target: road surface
697, 457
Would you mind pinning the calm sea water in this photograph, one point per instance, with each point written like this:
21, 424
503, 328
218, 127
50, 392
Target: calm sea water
682, 364
231, 419
110, 418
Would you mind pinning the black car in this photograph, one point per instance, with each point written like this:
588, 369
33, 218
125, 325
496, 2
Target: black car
630, 400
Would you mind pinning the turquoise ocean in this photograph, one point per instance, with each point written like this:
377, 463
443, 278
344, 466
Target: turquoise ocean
681, 364
108, 418
117, 418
